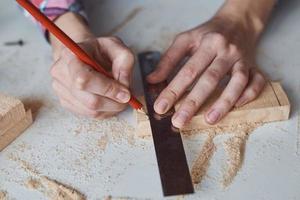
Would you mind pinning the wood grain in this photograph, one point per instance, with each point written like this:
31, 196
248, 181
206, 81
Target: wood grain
11, 110
12, 133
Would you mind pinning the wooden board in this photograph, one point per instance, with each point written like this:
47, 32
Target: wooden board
11, 111
271, 105
12, 133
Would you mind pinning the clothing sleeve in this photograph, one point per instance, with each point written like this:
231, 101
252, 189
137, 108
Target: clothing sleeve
54, 8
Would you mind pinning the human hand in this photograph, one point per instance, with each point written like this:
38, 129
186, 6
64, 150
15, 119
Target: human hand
215, 49
87, 92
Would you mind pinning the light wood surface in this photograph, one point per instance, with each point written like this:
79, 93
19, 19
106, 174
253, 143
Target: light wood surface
271, 105
13, 119
11, 110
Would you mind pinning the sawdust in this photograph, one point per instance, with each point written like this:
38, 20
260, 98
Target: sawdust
102, 142
3, 195
234, 147
33, 184
201, 164
59, 191
112, 130
51, 188
122, 198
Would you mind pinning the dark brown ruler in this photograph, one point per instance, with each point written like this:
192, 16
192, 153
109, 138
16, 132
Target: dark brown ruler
173, 168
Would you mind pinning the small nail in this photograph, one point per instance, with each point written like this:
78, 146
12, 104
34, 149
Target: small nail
180, 119
123, 96
213, 116
161, 106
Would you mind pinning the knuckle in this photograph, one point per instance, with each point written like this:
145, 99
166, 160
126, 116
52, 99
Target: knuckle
213, 75
227, 103
189, 71
172, 93
253, 92
110, 89
81, 79
218, 38
93, 103
241, 76
260, 76
192, 102
234, 51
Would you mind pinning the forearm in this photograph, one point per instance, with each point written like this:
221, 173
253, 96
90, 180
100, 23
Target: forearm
251, 14
74, 26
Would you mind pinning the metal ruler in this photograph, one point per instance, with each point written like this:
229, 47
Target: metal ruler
173, 168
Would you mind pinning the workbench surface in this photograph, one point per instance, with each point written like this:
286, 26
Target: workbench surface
71, 149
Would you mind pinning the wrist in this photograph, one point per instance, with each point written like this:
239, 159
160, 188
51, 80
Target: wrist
74, 26
249, 16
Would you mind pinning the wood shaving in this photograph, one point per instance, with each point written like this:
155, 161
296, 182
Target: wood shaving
59, 191
102, 142
33, 184
201, 164
53, 189
113, 130
3, 195
234, 147
122, 198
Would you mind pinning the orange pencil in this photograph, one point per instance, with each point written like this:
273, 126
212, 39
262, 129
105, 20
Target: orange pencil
69, 43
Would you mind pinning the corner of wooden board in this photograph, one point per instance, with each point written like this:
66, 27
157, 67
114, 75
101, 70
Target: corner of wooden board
11, 134
282, 98
11, 110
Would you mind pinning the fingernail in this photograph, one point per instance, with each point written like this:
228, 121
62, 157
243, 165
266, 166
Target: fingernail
123, 96
161, 106
180, 119
213, 116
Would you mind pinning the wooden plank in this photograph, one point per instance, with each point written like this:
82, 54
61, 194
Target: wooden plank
271, 105
12, 133
11, 111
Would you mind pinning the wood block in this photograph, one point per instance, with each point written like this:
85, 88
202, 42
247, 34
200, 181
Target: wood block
271, 105
13, 132
11, 111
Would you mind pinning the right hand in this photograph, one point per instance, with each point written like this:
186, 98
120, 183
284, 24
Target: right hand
87, 92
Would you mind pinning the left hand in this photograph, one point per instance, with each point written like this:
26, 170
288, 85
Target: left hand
216, 48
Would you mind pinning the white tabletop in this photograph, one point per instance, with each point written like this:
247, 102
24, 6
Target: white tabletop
65, 148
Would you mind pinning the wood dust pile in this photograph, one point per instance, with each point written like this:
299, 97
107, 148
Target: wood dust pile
234, 148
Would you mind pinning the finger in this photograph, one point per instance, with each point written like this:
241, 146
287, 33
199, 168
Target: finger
86, 79
77, 107
97, 102
230, 95
255, 86
88, 100
121, 57
201, 91
176, 52
185, 77
69, 106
